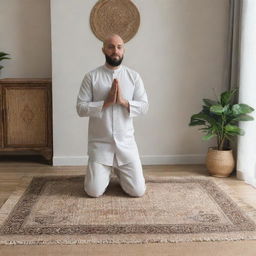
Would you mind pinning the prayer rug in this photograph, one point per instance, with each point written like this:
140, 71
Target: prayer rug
56, 210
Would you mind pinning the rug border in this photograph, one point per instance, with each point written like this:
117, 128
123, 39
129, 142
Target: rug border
10, 203
14, 197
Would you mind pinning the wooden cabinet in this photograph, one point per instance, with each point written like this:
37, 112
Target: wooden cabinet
26, 116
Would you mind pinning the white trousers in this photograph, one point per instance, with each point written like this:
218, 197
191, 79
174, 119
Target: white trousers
130, 177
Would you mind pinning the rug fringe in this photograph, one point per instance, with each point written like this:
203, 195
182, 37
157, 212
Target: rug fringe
129, 239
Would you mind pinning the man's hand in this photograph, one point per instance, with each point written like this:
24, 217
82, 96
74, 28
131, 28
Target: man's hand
120, 100
112, 95
115, 96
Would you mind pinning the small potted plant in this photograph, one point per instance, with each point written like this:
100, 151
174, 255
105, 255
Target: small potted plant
219, 119
3, 56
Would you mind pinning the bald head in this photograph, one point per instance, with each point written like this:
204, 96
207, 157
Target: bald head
112, 37
113, 49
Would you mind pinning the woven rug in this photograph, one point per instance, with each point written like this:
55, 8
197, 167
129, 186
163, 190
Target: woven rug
56, 210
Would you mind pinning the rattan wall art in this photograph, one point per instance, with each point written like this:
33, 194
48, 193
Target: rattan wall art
115, 16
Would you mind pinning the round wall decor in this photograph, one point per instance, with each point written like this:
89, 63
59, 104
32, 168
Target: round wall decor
115, 16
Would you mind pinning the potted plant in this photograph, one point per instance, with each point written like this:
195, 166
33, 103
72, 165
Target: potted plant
219, 119
3, 56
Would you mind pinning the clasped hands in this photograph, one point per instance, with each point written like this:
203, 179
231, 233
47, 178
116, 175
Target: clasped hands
115, 96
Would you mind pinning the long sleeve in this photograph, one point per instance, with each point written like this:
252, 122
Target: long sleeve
139, 104
85, 105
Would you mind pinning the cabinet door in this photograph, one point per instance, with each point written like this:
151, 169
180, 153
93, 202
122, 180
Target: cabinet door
25, 116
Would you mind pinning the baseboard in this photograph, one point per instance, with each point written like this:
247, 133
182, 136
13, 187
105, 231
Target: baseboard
145, 160
69, 160
173, 159
247, 178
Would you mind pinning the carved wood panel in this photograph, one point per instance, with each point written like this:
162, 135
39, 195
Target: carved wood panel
25, 116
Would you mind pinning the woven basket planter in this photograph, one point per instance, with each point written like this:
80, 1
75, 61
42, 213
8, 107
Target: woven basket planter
220, 163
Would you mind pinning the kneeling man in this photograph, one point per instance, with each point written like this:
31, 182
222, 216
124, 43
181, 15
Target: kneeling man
111, 95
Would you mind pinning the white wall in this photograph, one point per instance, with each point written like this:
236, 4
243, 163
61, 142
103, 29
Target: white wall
180, 52
25, 34
246, 161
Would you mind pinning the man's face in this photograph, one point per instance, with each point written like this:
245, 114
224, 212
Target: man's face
114, 51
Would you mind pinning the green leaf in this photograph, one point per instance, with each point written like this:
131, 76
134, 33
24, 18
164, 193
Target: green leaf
205, 117
238, 109
4, 58
208, 136
230, 138
227, 96
209, 102
196, 122
243, 117
204, 129
206, 109
217, 109
3, 54
233, 129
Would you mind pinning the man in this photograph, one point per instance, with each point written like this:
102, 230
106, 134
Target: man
111, 95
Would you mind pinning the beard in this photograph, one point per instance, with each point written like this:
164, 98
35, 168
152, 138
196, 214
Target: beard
113, 62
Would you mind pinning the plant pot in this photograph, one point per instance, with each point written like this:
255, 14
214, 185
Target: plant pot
220, 163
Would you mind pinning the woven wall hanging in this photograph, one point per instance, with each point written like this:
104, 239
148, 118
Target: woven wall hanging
115, 16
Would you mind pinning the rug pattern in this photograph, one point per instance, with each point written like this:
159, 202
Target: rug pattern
52, 206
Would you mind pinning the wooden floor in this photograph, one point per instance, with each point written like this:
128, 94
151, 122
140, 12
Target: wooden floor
11, 171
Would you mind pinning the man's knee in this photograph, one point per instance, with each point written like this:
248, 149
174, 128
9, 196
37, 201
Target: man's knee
93, 191
136, 191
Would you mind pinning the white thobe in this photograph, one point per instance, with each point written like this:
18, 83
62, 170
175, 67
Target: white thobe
111, 130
